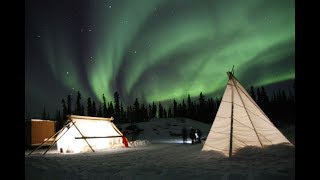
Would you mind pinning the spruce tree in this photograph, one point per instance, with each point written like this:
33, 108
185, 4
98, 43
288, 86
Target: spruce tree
122, 114
150, 111
175, 108
154, 110
201, 108
165, 115
110, 110
136, 110
78, 104
169, 113
104, 107
89, 107
69, 105
160, 112
58, 120
94, 108
82, 110
252, 93
99, 111
258, 96
116, 106
184, 109
64, 111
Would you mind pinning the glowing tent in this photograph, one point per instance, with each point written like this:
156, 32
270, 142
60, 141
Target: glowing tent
85, 133
240, 122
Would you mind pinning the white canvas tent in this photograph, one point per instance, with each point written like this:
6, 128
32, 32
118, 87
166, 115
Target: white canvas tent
240, 122
85, 133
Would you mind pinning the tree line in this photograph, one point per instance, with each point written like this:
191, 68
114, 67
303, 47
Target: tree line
279, 107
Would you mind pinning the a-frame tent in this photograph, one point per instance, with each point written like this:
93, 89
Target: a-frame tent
85, 133
240, 122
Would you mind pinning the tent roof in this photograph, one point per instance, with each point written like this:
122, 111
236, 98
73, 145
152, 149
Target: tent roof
72, 117
41, 120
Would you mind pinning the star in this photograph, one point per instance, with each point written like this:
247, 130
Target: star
135, 52
110, 7
44, 28
67, 73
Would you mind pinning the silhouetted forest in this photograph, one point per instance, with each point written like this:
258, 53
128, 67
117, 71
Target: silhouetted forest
279, 107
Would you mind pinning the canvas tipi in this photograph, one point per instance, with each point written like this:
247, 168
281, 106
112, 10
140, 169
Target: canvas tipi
85, 133
240, 122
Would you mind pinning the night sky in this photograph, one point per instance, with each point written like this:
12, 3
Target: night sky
154, 50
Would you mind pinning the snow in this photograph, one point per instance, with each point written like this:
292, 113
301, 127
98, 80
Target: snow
158, 155
166, 130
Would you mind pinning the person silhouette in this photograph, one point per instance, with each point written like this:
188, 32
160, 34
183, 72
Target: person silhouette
199, 135
184, 134
192, 135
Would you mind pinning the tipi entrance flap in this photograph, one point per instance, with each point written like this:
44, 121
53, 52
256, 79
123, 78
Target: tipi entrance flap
240, 122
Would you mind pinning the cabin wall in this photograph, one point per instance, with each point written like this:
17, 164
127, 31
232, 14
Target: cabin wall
37, 131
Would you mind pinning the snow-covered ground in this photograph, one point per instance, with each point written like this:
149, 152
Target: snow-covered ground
159, 154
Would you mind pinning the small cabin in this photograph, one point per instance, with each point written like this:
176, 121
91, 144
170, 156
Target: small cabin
38, 130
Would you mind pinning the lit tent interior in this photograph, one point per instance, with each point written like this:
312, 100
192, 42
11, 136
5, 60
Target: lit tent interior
240, 122
85, 133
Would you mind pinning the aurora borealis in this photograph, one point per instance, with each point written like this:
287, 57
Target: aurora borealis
154, 50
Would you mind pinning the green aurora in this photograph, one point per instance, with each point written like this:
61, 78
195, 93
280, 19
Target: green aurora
159, 50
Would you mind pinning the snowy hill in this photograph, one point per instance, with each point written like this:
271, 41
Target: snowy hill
166, 130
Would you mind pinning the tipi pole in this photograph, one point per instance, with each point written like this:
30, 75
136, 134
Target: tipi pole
45, 141
231, 125
83, 136
55, 141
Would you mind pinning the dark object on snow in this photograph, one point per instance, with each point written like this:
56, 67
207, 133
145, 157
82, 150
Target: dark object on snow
192, 135
125, 141
184, 135
198, 136
132, 129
